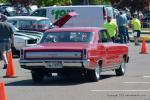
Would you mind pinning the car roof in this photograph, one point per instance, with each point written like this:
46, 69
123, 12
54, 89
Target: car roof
26, 18
87, 29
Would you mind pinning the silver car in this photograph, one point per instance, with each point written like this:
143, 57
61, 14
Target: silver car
31, 23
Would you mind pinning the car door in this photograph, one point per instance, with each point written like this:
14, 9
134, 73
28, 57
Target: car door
112, 58
102, 41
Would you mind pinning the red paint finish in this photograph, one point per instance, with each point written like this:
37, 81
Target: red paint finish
105, 54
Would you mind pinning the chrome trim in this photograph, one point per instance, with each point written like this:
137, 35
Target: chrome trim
21, 54
108, 68
67, 63
53, 54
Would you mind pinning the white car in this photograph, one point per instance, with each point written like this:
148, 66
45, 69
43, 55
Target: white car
24, 38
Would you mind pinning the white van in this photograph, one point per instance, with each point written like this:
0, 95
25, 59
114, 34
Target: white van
88, 16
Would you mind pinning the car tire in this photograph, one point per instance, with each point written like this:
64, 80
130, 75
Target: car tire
122, 69
64, 74
94, 75
37, 76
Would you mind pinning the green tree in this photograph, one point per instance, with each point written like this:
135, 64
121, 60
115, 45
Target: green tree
54, 2
3, 1
99, 2
96, 2
91, 2
133, 5
40, 2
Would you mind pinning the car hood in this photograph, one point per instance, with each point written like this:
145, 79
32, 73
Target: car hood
28, 35
60, 22
59, 46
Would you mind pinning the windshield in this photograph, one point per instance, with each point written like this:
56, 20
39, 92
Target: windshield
31, 24
67, 37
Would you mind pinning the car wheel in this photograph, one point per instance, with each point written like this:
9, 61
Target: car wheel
65, 74
94, 75
122, 68
37, 76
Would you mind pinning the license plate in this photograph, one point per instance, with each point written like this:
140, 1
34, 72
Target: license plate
54, 64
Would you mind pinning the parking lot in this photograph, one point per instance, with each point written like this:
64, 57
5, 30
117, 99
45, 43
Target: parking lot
133, 86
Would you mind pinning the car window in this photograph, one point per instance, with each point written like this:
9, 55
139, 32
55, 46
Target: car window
10, 10
39, 12
110, 12
31, 24
67, 37
103, 36
45, 24
25, 24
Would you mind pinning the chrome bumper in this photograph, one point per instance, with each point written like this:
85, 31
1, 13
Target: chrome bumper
66, 63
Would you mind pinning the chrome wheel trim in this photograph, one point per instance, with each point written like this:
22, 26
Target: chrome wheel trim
123, 66
97, 72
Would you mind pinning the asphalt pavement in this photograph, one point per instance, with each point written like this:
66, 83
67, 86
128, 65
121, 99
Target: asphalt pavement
135, 85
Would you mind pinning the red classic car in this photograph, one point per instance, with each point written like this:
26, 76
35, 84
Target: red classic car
80, 50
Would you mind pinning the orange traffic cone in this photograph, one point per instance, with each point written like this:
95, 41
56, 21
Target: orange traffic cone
144, 47
2, 92
10, 72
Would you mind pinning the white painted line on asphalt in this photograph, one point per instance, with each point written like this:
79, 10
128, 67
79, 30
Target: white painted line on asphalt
136, 82
146, 76
120, 90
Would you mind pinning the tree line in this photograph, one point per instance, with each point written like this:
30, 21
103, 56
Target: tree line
55, 2
133, 5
